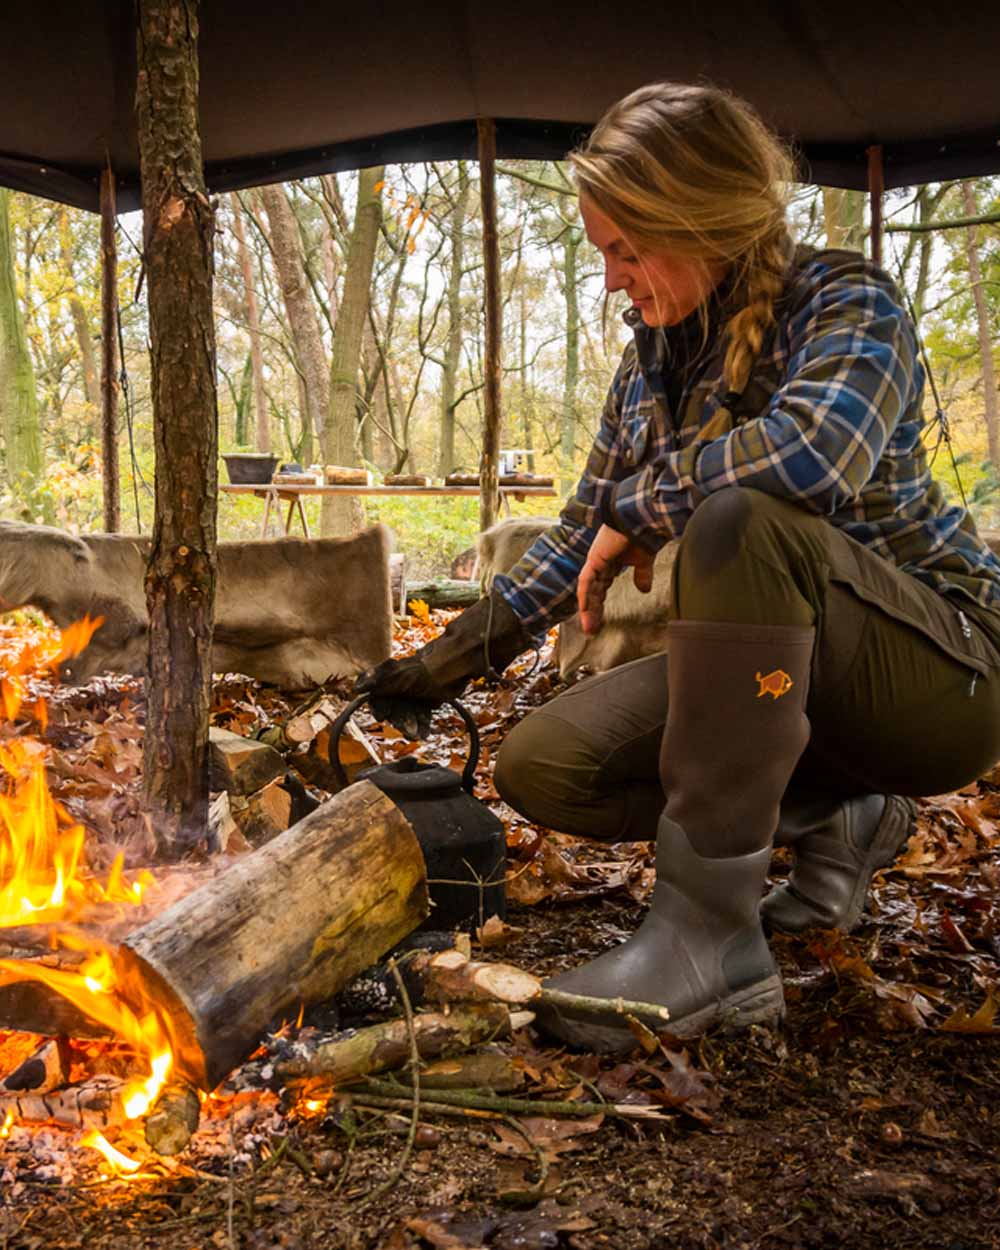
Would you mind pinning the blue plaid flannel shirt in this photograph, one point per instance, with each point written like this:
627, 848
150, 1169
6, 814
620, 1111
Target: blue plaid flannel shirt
831, 420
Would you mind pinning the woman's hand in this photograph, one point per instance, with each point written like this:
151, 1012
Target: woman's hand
609, 553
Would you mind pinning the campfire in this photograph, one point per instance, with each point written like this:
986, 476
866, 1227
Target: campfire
50, 899
173, 986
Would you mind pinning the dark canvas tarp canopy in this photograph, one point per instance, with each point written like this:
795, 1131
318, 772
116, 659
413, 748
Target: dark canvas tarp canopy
304, 87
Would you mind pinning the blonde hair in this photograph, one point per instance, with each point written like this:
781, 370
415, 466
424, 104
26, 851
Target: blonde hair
694, 171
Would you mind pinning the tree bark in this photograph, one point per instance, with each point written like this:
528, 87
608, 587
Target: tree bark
489, 497
991, 401
110, 481
453, 346
338, 439
262, 426
307, 338
81, 322
178, 229
843, 217
571, 373
18, 400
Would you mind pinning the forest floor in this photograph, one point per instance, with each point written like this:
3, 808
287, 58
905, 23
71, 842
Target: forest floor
871, 1118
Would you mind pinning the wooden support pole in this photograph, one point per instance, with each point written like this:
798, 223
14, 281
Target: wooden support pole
109, 355
489, 473
876, 187
179, 236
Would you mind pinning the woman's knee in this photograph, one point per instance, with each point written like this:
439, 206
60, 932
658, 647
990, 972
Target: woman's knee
544, 767
746, 557
721, 525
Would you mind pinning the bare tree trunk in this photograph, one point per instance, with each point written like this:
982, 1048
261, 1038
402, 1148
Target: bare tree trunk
178, 229
338, 441
307, 338
81, 324
263, 428
19, 416
453, 347
991, 404
528, 435
844, 217
109, 357
571, 240
489, 481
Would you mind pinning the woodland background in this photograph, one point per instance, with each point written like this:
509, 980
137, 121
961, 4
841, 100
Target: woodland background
349, 314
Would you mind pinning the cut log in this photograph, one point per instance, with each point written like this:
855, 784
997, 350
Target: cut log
46, 1069
406, 479
290, 923
386, 1046
263, 815
31, 1007
340, 475
447, 593
173, 1120
241, 765
449, 977
94, 1103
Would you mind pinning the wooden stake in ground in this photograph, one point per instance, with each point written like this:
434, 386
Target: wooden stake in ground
290, 923
178, 231
109, 356
489, 492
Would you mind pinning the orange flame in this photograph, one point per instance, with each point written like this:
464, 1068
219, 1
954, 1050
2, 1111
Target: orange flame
43, 880
121, 1163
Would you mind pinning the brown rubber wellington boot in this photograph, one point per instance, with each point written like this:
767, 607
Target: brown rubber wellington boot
735, 730
837, 846
700, 952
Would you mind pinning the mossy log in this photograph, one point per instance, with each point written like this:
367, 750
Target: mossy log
452, 592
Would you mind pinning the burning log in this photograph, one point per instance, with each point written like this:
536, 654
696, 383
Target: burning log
385, 1046
94, 1103
46, 1069
32, 1007
290, 923
174, 1119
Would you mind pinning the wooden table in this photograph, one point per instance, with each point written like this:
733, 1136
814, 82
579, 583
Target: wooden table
275, 494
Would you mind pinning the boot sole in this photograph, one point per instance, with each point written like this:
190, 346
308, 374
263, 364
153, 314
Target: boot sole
881, 853
760, 1003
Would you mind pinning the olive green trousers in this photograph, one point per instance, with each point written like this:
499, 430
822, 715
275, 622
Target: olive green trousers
904, 689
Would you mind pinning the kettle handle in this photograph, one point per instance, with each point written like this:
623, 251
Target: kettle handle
468, 772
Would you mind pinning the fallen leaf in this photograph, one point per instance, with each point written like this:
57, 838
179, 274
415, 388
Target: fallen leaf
496, 932
983, 1021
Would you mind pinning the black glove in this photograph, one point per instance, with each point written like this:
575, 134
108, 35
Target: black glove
406, 692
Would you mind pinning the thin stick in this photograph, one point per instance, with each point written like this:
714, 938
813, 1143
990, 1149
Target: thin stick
411, 1136
534, 1192
231, 1195
603, 1006
513, 1106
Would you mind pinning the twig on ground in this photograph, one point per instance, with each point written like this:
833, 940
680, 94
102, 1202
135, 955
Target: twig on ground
231, 1195
533, 1193
477, 1101
411, 1136
583, 1003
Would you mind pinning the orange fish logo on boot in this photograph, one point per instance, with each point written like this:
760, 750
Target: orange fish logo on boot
775, 684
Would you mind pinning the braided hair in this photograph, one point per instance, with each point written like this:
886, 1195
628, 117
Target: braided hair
693, 171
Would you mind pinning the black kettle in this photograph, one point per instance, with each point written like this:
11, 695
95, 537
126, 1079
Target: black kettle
464, 844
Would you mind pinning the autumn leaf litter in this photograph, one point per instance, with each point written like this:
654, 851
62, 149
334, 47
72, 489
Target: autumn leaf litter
871, 1118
